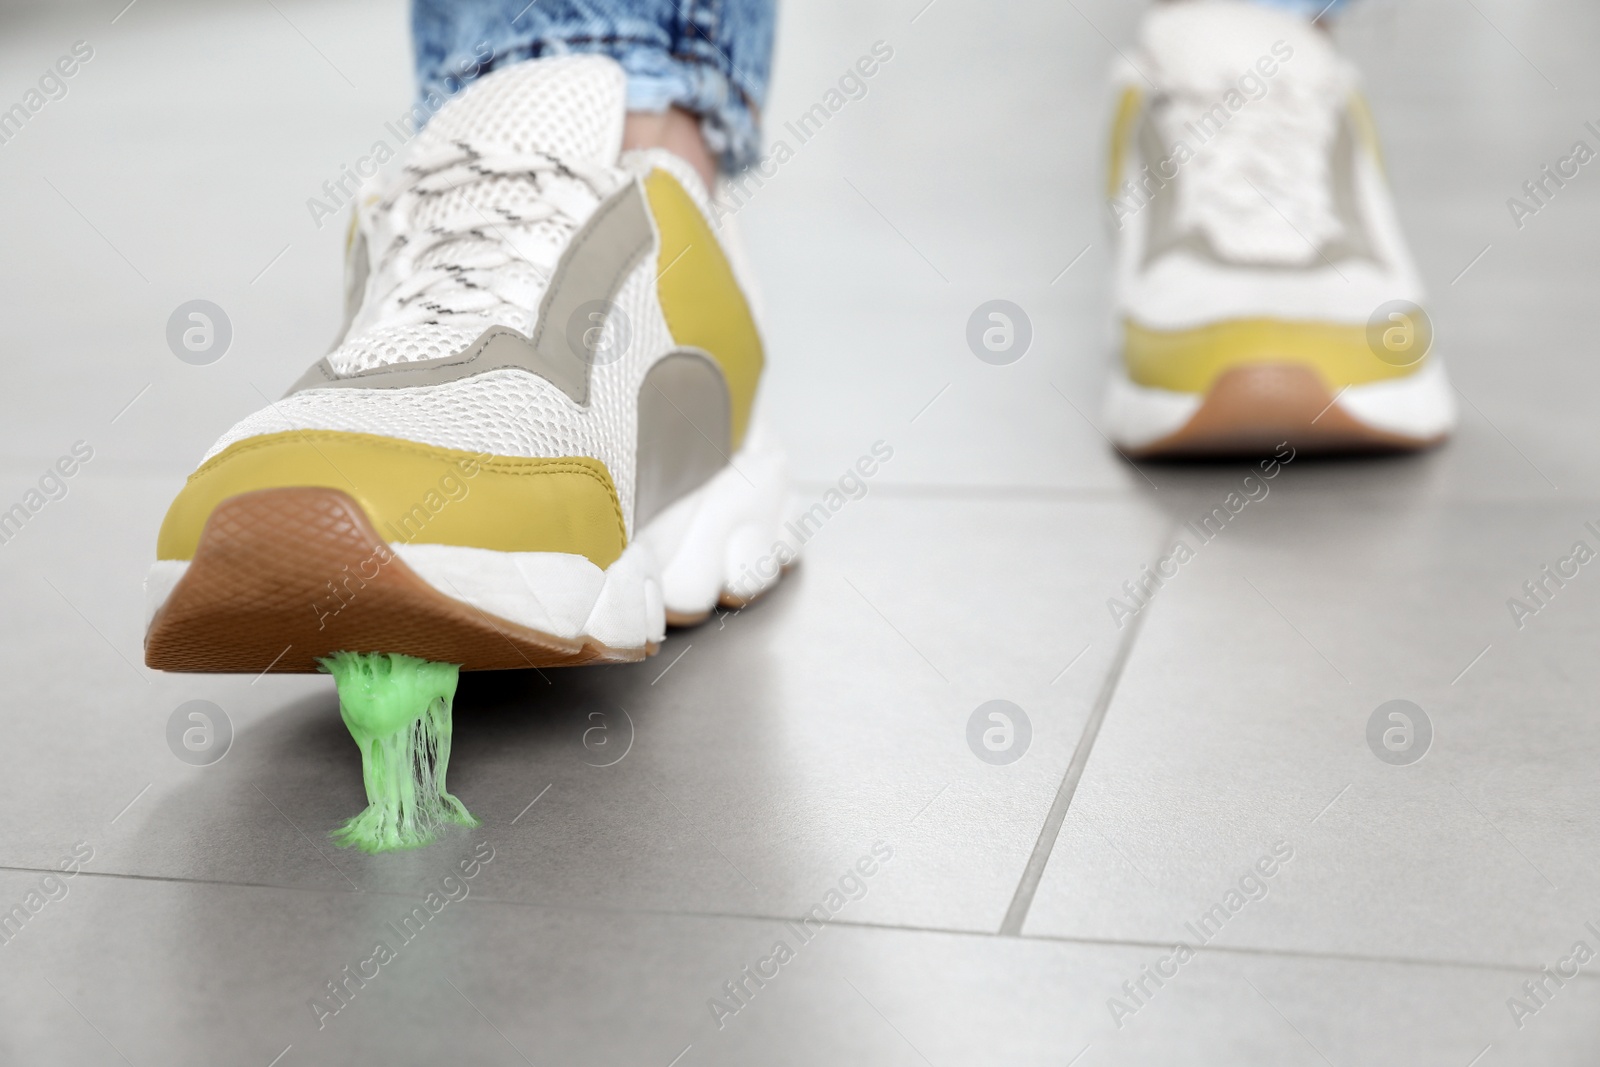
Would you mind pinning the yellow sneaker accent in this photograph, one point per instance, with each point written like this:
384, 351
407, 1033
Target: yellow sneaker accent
1367, 127
1121, 135
701, 299
1189, 361
416, 493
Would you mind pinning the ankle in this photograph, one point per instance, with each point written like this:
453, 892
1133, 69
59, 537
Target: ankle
677, 131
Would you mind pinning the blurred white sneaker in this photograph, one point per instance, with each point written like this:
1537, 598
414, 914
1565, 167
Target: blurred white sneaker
1263, 289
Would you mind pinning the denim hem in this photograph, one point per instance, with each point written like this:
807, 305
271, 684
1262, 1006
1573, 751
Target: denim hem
658, 80
700, 80
1306, 8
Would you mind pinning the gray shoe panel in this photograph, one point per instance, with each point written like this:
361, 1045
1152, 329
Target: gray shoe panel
685, 431
594, 265
1164, 234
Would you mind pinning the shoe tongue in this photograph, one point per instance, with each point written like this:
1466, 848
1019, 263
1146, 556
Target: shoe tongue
1255, 94
570, 107
1206, 46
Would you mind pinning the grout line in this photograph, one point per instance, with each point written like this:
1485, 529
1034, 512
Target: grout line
1022, 900
902, 928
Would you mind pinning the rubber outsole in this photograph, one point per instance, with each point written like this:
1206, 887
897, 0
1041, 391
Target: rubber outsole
1249, 411
283, 576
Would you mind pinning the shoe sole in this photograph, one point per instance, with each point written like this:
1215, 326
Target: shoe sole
1252, 410
251, 599
282, 577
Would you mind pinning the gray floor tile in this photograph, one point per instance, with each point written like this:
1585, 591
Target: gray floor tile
148, 971
742, 765
1224, 739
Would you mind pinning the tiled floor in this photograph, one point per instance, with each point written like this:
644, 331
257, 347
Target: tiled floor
1015, 914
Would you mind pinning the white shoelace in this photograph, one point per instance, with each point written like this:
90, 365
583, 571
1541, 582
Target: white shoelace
472, 233
1260, 189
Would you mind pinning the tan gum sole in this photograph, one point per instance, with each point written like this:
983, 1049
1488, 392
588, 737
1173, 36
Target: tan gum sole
1250, 411
282, 576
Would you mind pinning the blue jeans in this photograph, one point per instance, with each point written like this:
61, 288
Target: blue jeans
1308, 8
711, 57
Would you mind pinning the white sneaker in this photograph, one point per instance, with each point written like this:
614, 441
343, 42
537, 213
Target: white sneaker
1263, 288
533, 444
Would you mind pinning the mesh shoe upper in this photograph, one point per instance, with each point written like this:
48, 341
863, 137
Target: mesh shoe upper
467, 238
1249, 184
